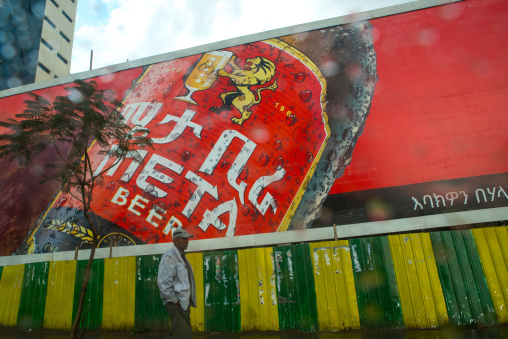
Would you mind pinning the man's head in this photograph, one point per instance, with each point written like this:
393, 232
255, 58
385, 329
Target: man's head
181, 239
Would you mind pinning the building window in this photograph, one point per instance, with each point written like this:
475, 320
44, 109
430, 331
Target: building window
65, 37
49, 22
45, 43
54, 3
62, 58
66, 16
44, 68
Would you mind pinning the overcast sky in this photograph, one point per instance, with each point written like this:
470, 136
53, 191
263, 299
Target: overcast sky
118, 30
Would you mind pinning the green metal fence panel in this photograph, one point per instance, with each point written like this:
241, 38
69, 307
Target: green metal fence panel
91, 318
33, 295
222, 292
150, 313
296, 288
464, 286
376, 287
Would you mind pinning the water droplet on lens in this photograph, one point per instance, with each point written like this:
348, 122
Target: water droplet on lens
244, 173
300, 77
224, 164
305, 96
290, 120
111, 185
245, 210
186, 156
254, 214
263, 159
309, 157
48, 222
277, 145
278, 163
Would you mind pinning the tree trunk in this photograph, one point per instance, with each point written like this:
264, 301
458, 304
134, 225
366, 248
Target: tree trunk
84, 285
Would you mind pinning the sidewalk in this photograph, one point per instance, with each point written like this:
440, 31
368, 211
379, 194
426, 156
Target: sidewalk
446, 333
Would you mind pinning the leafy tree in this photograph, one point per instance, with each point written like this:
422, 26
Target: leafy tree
61, 133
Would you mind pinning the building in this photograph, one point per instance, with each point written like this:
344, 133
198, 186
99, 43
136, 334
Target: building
36, 39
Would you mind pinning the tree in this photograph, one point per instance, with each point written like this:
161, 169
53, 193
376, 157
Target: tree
61, 133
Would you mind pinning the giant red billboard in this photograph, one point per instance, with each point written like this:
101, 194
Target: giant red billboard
397, 117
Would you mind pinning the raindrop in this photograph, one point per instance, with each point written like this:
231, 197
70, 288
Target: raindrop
260, 190
132, 228
245, 210
186, 156
111, 185
322, 34
254, 214
332, 155
278, 163
290, 120
47, 247
347, 134
277, 145
224, 164
68, 208
263, 159
48, 222
338, 173
79, 210
328, 167
244, 173
309, 157
61, 202
305, 96
300, 77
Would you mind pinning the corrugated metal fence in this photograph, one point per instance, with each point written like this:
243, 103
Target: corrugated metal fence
417, 280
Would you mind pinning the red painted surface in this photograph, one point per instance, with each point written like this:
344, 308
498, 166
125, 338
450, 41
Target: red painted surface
439, 108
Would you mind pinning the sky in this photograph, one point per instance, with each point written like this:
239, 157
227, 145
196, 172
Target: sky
121, 30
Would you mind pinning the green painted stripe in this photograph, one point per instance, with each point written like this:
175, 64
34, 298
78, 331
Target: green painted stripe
91, 318
1, 270
296, 288
33, 295
150, 313
489, 310
461, 282
378, 298
222, 294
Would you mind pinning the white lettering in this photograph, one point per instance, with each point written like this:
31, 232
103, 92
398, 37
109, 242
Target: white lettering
150, 172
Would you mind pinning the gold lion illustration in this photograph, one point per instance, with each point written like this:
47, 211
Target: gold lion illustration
258, 71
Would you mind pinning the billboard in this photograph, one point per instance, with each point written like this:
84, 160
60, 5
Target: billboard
375, 120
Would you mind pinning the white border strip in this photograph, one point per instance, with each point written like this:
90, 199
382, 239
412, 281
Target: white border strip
424, 223
377, 13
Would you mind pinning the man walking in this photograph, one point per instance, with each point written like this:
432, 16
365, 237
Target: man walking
176, 285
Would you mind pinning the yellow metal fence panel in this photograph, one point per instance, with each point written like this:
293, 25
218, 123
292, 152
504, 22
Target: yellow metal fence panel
492, 245
197, 315
335, 287
10, 294
420, 291
119, 293
258, 293
60, 295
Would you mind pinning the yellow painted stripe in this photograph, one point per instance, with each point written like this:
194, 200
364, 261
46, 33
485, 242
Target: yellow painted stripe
492, 245
258, 294
197, 315
335, 288
60, 295
10, 294
420, 291
119, 293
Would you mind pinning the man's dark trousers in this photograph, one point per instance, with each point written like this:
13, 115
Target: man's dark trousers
180, 321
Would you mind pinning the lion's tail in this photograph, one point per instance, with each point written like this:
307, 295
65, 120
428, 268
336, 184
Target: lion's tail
272, 87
